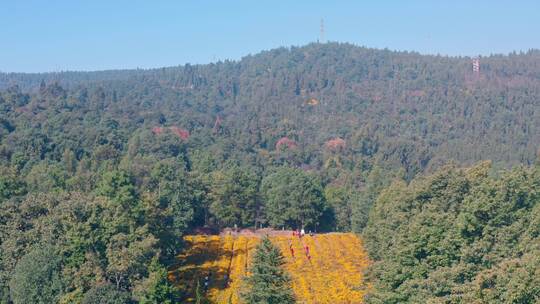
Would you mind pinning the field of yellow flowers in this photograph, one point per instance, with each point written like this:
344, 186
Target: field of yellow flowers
328, 271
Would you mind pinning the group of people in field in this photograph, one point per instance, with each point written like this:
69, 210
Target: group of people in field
300, 233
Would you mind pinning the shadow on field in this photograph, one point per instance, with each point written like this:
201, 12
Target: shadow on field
200, 260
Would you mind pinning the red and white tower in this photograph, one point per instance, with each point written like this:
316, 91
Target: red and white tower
476, 65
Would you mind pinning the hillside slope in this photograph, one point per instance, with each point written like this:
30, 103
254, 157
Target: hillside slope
334, 274
405, 109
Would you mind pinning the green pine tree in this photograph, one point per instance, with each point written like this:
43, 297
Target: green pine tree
268, 282
157, 288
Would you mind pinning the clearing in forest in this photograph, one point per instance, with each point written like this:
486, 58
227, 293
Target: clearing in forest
331, 274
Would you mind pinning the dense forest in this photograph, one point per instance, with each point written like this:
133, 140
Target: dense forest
102, 173
458, 236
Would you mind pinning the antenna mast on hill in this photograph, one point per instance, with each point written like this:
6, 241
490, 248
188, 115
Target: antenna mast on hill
321, 35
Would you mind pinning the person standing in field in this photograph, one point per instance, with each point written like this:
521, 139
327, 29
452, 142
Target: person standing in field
206, 283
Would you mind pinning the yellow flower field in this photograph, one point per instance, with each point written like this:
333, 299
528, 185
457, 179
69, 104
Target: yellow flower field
333, 274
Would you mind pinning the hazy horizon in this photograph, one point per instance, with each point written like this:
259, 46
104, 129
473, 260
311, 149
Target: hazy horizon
98, 36
258, 52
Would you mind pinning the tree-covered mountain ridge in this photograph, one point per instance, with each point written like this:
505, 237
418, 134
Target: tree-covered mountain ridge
416, 111
517, 65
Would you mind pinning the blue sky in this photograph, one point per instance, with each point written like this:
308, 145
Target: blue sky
39, 36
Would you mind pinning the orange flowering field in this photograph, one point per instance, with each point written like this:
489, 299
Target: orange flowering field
332, 274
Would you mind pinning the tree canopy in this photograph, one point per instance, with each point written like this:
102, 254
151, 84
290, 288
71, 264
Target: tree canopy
37, 277
293, 199
457, 236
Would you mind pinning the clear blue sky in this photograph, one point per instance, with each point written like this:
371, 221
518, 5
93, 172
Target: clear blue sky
39, 36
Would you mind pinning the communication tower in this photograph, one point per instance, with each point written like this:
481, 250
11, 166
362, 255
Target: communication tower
476, 65
321, 35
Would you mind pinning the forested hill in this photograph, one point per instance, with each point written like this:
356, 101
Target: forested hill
413, 111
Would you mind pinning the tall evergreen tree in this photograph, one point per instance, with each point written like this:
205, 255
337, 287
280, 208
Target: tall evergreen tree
268, 282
